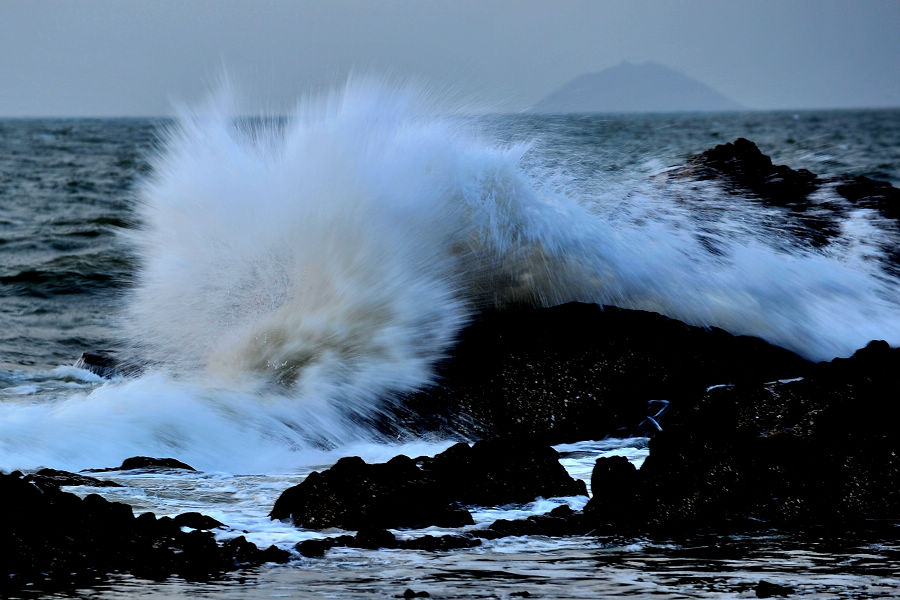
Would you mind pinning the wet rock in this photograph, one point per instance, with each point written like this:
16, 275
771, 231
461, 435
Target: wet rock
440, 543
501, 471
870, 193
409, 593
245, 553
580, 371
106, 364
145, 463
405, 493
815, 452
61, 540
743, 164
373, 539
63, 478
354, 495
317, 548
195, 520
740, 165
561, 521
101, 362
765, 589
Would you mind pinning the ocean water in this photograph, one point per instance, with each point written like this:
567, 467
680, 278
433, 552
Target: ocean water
278, 280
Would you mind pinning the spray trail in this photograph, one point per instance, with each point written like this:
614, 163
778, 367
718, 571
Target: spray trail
346, 249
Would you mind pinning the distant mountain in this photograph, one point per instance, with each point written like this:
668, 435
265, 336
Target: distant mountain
628, 87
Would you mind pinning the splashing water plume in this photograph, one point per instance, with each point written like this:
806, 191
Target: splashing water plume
296, 274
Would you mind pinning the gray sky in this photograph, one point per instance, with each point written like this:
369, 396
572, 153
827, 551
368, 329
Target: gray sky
79, 57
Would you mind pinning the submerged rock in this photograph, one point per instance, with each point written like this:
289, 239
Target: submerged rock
373, 539
871, 193
65, 478
145, 463
60, 539
100, 362
741, 165
766, 589
428, 491
581, 371
106, 364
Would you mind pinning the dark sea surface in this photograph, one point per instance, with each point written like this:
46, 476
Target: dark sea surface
68, 200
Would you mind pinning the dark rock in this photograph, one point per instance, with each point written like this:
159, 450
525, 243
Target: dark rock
816, 452
105, 363
62, 478
101, 362
561, 521
145, 462
411, 594
613, 484
314, 548
764, 589
812, 454
317, 548
244, 553
870, 193
406, 493
501, 471
61, 540
354, 495
440, 543
195, 520
742, 163
372, 539
580, 371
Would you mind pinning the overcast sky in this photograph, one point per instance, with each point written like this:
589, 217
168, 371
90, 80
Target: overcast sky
134, 57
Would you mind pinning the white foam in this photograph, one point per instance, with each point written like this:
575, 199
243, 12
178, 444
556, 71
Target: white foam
296, 276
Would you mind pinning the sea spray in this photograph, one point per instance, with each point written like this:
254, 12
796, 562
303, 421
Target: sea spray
297, 274
340, 254
348, 246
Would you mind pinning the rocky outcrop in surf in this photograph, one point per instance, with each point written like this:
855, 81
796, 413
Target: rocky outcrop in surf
817, 452
416, 493
581, 371
740, 165
810, 452
56, 539
145, 463
371, 539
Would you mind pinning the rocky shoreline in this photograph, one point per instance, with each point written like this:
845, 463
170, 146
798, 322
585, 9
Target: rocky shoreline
745, 436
